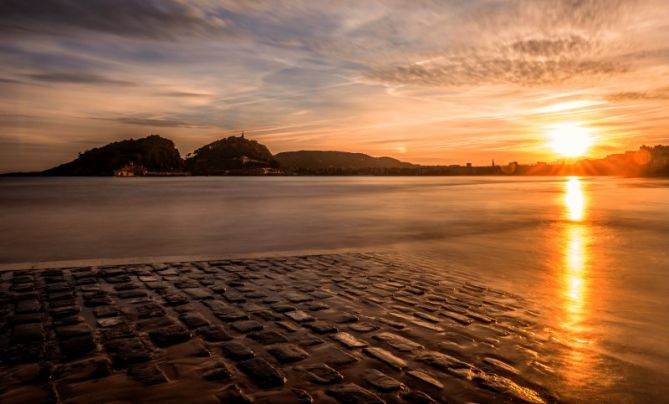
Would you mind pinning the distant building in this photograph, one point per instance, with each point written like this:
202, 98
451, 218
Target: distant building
511, 168
131, 170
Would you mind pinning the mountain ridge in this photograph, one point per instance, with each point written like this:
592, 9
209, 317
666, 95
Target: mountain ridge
236, 155
322, 160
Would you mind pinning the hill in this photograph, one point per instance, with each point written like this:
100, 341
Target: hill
155, 155
318, 162
134, 156
232, 155
645, 162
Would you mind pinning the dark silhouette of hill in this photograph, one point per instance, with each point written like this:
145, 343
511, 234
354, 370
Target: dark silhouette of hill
232, 155
236, 155
327, 161
152, 153
645, 162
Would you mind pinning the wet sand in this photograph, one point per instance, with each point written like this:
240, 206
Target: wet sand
350, 327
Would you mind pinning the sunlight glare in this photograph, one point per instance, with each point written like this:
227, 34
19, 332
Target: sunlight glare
574, 199
570, 139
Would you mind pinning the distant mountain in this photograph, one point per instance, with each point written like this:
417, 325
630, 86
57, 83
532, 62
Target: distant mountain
326, 161
231, 155
236, 155
134, 156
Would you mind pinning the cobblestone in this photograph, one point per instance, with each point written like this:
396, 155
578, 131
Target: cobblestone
344, 327
352, 393
147, 374
237, 351
246, 326
348, 340
268, 337
233, 395
170, 335
299, 316
287, 353
193, 320
262, 373
397, 342
323, 374
381, 381
214, 333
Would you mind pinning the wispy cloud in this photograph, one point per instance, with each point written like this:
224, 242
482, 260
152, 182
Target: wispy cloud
158, 19
456, 70
186, 94
661, 94
552, 47
154, 122
77, 78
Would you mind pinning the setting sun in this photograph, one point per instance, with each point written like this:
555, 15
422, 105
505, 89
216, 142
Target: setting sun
570, 139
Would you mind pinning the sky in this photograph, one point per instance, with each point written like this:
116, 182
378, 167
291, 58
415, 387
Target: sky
431, 82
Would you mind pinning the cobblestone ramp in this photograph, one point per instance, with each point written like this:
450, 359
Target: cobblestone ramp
350, 328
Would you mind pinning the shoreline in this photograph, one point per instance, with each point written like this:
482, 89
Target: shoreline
94, 262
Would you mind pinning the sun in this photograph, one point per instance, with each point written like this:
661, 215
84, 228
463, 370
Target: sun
570, 139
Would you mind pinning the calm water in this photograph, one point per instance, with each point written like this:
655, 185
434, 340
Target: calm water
592, 254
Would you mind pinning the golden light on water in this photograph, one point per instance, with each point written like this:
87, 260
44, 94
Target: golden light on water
575, 285
574, 274
570, 139
574, 199
575, 253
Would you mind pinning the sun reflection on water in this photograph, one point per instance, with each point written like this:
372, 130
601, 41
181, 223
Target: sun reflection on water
574, 275
575, 287
574, 199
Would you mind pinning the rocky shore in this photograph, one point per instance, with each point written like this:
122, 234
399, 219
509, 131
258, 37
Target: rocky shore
349, 328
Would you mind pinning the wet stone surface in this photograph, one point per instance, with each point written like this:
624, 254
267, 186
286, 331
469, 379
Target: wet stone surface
344, 328
287, 353
262, 373
381, 381
352, 393
214, 333
170, 335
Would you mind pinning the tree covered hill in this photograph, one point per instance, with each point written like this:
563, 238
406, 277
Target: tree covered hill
234, 153
151, 153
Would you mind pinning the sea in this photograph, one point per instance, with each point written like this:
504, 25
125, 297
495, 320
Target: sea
589, 254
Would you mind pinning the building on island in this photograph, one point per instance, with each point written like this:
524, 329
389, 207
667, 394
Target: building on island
130, 170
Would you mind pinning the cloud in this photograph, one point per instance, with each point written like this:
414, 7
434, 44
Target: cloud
523, 43
77, 78
467, 70
10, 81
552, 47
184, 94
157, 19
154, 122
623, 96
